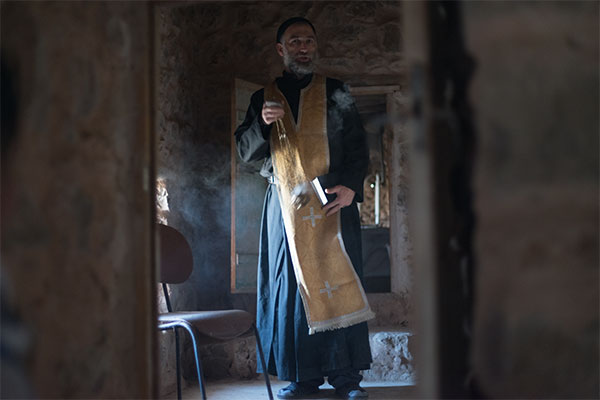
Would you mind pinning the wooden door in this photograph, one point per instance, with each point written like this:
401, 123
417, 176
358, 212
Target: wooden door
247, 195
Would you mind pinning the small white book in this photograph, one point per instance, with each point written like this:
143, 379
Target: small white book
319, 191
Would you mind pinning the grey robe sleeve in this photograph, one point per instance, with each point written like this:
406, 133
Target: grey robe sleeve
347, 141
252, 136
356, 152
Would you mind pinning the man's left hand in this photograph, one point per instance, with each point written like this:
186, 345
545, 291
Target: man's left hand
344, 198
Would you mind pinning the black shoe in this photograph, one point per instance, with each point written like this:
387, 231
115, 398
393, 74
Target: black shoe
297, 390
352, 391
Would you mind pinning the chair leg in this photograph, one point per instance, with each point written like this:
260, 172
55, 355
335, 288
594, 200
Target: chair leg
198, 366
177, 363
192, 333
191, 330
263, 363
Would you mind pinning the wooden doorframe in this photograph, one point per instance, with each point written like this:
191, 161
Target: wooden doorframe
400, 270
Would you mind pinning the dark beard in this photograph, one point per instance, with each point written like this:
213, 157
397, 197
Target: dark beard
296, 68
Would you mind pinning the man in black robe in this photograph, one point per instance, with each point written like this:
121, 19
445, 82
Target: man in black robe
292, 354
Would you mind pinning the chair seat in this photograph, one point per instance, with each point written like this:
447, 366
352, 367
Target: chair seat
217, 325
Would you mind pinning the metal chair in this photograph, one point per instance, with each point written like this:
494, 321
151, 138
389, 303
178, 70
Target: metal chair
204, 327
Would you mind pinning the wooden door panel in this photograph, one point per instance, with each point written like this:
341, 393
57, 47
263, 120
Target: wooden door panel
247, 194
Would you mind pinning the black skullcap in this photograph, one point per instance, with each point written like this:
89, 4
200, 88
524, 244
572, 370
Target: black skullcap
294, 20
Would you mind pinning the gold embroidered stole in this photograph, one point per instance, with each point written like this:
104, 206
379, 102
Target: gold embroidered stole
331, 292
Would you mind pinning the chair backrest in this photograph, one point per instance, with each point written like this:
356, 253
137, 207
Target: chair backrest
176, 260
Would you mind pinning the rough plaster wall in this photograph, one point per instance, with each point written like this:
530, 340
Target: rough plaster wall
536, 98
203, 47
397, 155
76, 243
194, 120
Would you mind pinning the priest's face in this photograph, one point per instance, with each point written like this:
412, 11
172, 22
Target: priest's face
298, 49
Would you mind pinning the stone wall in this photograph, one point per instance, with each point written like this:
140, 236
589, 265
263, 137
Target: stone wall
536, 100
204, 46
76, 235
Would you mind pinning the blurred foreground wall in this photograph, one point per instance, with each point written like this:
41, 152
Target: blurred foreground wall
76, 240
535, 95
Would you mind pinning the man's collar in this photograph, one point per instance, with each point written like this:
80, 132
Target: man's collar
293, 79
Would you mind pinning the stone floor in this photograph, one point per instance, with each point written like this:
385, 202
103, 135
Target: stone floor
255, 390
391, 347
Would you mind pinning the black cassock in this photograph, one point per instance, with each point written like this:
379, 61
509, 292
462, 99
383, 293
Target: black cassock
292, 354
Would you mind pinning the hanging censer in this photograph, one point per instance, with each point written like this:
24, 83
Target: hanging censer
299, 192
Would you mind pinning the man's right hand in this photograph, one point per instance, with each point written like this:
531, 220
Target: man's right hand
272, 112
